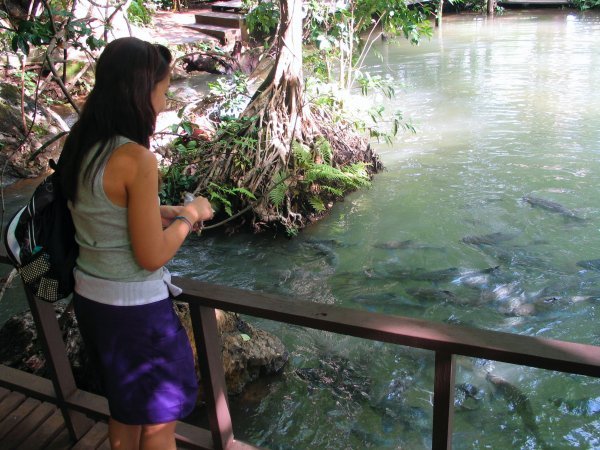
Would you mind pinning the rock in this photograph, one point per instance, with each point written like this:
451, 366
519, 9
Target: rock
247, 352
244, 359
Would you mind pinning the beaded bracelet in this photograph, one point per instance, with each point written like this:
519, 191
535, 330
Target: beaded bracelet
187, 222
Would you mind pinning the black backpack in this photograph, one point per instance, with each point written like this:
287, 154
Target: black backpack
40, 242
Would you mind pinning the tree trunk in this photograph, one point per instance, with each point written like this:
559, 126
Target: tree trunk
286, 77
491, 6
259, 157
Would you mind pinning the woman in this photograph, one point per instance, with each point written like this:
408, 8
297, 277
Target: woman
125, 237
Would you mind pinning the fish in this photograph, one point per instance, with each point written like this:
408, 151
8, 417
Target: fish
323, 250
468, 397
451, 273
431, 295
551, 206
407, 244
518, 402
378, 298
592, 264
488, 239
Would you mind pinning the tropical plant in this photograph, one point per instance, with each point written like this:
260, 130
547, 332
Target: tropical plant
140, 12
262, 17
335, 29
586, 4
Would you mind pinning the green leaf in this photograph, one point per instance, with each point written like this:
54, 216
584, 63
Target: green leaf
316, 203
277, 194
245, 192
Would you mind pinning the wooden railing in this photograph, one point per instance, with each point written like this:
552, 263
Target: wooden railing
447, 341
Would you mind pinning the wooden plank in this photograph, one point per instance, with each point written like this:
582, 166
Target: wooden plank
61, 442
105, 445
90, 404
206, 336
45, 433
224, 34
443, 401
223, 19
28, 425
10, 403
239, 445
3, 392
27, 383
93, 438
17, 416
461, 340
193, 437
57, 362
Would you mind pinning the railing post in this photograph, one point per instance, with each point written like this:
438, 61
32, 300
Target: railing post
57, 363
443, 401
208, 348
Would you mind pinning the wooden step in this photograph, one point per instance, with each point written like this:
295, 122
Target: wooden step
221, 19
233, 5
225, 34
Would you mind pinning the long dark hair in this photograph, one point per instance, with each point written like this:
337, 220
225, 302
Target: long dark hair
119, 105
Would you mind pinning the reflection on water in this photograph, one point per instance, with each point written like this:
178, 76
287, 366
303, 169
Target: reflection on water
487, 217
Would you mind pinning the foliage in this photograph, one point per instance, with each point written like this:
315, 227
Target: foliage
232, 93
586, 4
478, 6
335, 30
181, 175
262, 17
177, 177
374, 120
55, 26
139, 13
314, 180
223, 196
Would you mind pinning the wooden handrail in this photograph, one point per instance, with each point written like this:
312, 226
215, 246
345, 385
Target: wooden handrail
445, 340
530, 351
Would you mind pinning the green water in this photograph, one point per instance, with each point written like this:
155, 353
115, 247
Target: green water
502, 109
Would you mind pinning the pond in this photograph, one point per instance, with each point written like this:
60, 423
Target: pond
488, 216
485, 217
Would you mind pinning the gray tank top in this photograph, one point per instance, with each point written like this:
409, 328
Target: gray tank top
101, 230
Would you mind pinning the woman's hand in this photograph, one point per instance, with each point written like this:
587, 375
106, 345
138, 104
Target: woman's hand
199, 210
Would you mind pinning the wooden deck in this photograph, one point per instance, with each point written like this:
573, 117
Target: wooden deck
30, 418
27, 423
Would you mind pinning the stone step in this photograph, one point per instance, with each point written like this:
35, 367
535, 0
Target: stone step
225, 34
234, 5
221, 19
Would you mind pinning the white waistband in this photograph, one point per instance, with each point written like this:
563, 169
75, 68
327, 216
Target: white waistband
125, 293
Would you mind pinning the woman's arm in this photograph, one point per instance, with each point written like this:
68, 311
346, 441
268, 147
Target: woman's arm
152, 246
168, 213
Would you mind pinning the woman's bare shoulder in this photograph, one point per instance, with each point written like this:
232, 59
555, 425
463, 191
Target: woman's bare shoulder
133, 155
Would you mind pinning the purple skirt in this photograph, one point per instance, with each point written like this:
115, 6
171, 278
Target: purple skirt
144, 358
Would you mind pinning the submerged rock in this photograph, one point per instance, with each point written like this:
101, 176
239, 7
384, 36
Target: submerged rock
244, 359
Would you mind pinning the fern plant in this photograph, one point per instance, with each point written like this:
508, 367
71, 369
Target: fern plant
222, 196
314, 180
